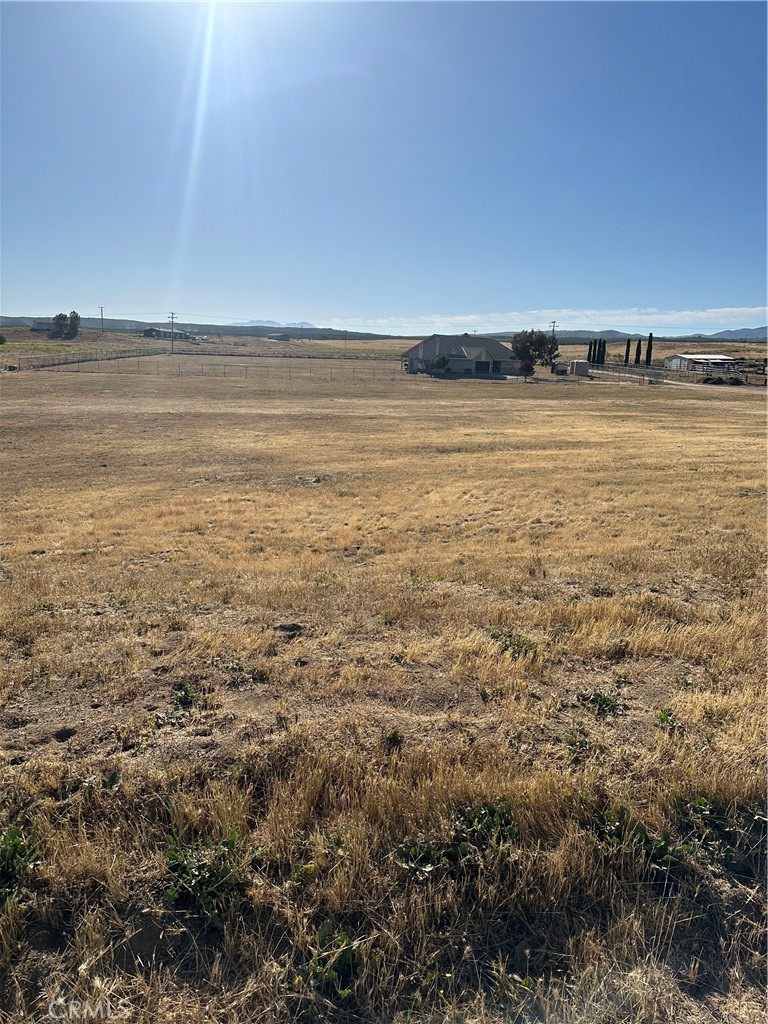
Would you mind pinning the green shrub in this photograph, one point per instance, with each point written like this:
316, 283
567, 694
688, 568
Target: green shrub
335, 964
604, 703
17, 857
204, 876
183, 694
475, 829
511, 642
619, 829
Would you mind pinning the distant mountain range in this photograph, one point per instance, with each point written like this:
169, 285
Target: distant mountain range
270, 323
740, 334
751, 333
260, 328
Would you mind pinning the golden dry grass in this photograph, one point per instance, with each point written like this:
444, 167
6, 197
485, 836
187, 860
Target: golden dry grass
450, 696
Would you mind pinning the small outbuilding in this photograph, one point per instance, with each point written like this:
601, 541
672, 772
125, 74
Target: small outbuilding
578, 367
703, 362
463, 355
43, 325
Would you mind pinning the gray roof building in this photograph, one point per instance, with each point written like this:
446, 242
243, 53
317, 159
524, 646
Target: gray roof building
465, 355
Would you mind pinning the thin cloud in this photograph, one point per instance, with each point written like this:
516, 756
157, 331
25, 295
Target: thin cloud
634, 318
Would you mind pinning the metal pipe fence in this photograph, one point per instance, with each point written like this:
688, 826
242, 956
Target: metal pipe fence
658, 375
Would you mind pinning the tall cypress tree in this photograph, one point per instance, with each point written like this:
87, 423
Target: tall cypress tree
638, 351
649, 350
589, 352
626, 353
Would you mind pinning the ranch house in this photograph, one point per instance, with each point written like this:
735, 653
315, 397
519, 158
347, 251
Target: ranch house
464, 355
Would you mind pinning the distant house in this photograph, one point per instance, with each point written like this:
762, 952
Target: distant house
278, 337
464, 355
43, 325
165, 332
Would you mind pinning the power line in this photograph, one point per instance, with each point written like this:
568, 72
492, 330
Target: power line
172, 317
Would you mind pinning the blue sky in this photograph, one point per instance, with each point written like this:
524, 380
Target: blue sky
399, 167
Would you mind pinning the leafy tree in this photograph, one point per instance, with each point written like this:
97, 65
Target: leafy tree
626, 352
60, 322
551, 351
2, 339
74, 324
535, 347
638, 351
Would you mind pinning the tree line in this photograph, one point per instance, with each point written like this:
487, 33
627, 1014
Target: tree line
596, 351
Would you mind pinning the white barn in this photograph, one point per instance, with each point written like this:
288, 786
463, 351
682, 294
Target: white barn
703, 362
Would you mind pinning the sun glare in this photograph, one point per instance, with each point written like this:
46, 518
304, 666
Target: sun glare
205, 46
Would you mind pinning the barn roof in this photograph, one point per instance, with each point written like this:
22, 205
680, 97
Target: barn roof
706, 356
467, 346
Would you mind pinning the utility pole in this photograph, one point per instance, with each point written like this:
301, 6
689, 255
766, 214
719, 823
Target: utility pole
554, 348
102, 318
172, 317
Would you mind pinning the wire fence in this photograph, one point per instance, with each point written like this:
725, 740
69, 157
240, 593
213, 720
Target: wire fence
274, 351
290, 369
46, 360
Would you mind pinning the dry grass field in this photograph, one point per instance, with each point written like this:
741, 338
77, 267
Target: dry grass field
20, 341
381, 701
